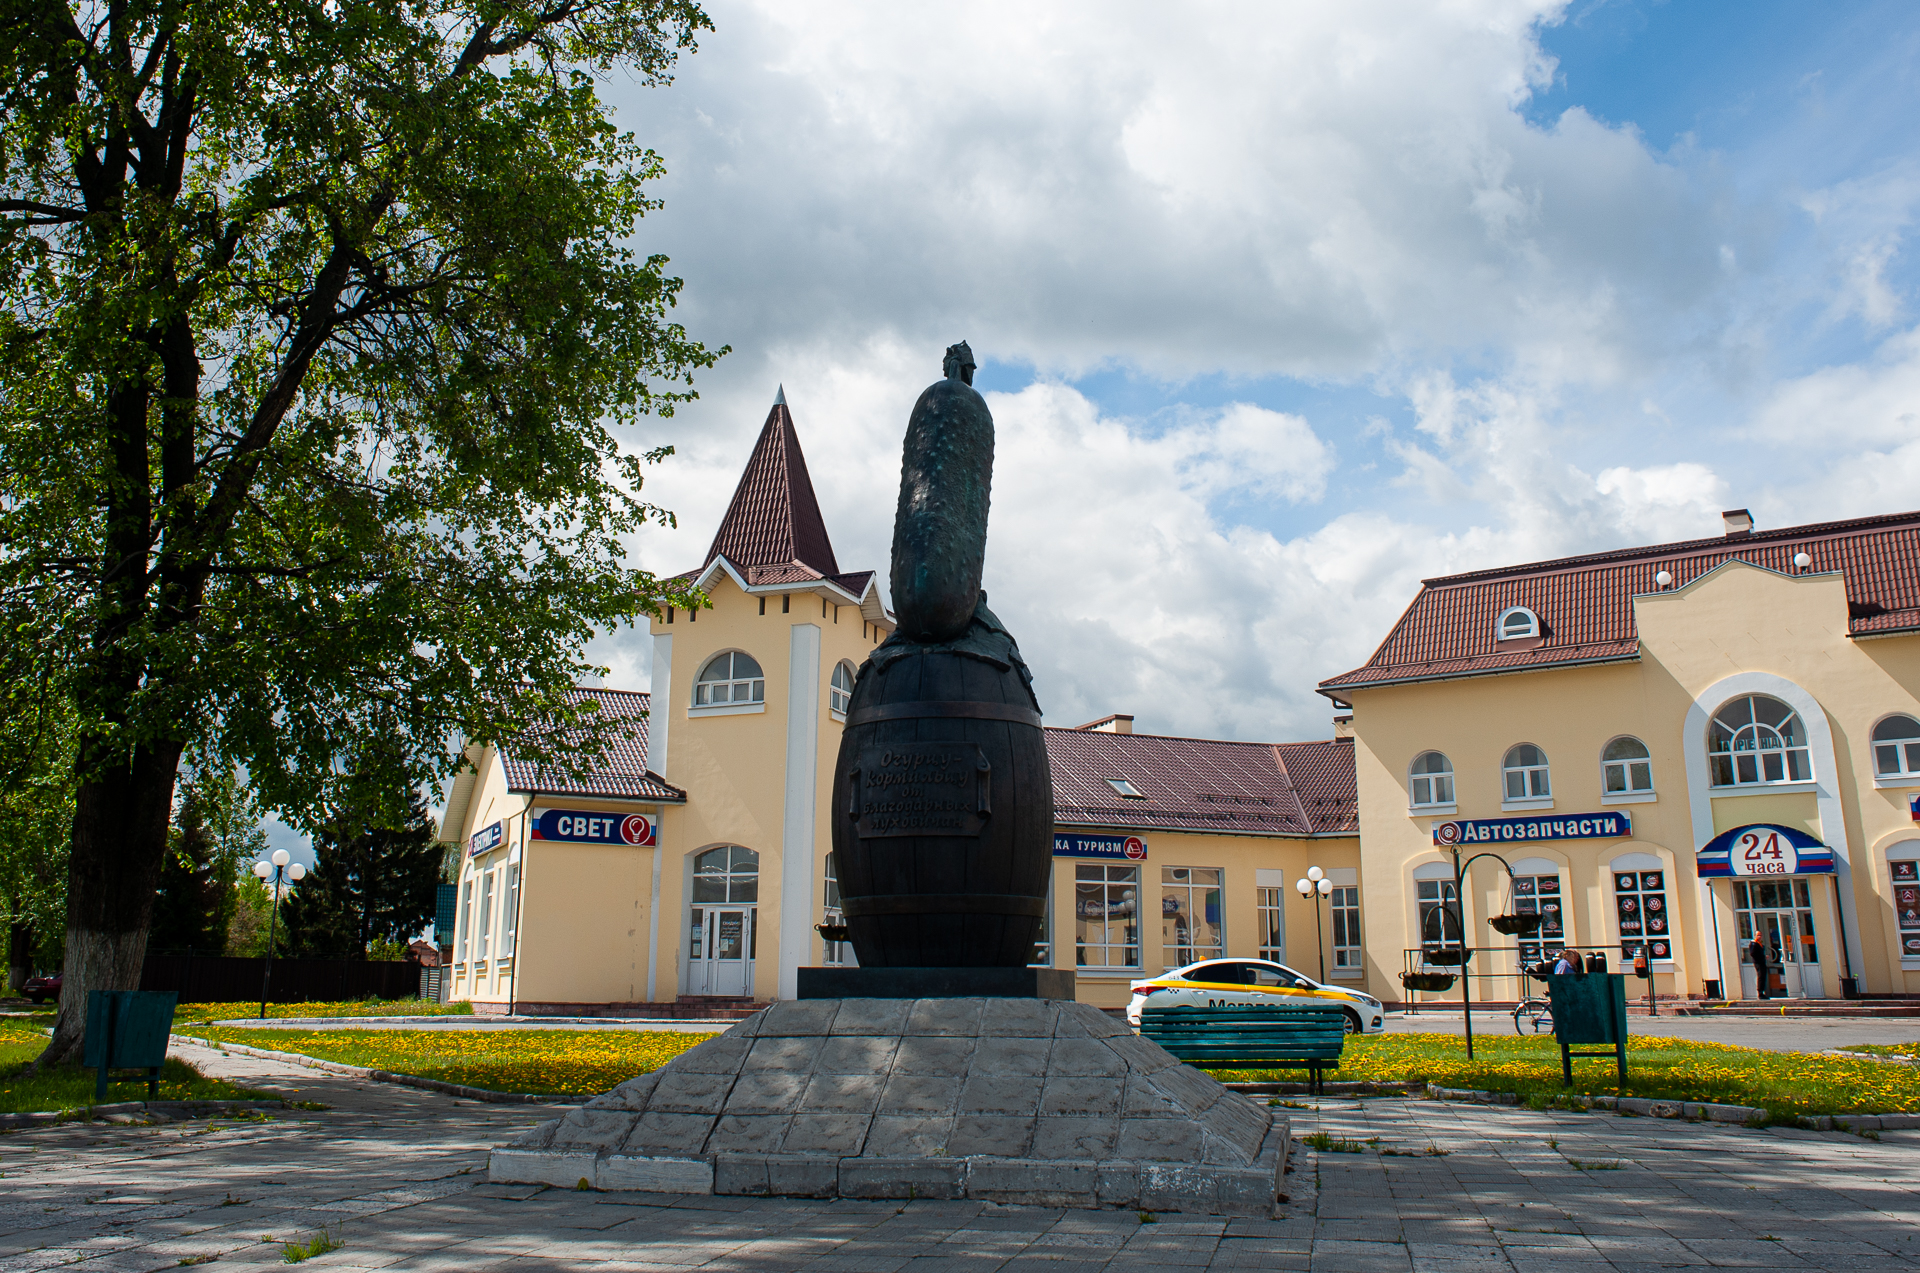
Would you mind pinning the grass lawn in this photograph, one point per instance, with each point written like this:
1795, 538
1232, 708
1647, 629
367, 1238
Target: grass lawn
352, 1008
546, 1062
72, 1088
1660, 1068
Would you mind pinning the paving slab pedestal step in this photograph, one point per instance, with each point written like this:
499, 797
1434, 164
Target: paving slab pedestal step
1040, 1102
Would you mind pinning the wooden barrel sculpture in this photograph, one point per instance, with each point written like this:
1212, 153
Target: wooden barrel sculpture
942, 815
942, 796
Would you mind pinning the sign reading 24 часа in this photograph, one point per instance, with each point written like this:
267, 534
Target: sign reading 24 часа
580, 826
1574, 826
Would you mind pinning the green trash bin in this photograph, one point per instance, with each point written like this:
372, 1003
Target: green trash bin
1589, 1008
128, 1030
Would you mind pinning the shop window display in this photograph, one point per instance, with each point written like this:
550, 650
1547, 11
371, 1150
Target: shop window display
1906, 905
1540, 895
1640, 901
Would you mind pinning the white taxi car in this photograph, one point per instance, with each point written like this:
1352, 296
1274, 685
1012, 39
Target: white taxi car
1221, 982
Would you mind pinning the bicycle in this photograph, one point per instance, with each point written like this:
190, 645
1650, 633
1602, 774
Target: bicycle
1533, 1016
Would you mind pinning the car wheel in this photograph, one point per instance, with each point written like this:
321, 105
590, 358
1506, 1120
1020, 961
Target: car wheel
1353, 1025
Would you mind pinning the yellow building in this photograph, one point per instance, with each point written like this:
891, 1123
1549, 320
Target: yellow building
691, 868
1677, 749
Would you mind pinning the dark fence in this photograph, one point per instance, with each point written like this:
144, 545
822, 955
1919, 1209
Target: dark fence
219, 979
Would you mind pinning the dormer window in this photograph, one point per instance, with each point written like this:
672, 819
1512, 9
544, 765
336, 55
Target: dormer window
1517, 623
1126, 789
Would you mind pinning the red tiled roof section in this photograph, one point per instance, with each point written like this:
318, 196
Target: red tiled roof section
620, 775
1200, 784
774, 523
1585, 604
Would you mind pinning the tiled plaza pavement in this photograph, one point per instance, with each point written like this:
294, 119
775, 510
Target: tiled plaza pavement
399, 1176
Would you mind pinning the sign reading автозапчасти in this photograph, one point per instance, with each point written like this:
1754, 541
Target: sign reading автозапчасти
1573, 826
921, 789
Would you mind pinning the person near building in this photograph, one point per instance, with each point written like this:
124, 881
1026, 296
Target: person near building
1757, 951
1568, 962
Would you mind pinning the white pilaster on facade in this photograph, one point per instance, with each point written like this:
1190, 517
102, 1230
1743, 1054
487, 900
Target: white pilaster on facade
797, 821
660, 709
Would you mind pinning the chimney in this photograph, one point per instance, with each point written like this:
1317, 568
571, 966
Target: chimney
1738, 521
1343, 726
1115, 724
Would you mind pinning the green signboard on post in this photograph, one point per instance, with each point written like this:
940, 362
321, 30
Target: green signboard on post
1589, 1008
128, 1030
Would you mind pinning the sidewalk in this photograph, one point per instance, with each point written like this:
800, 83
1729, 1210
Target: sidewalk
399, 1176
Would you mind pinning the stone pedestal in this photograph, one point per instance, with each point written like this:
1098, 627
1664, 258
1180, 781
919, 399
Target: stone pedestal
936, 983
1024, 1100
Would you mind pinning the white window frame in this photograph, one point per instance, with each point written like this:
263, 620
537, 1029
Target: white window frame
1536, 781
463, 922
833, 954
838, 699
1626, 768
1114, 883
705, 704
1124, 788
486, 916
1270, 910
1344, 905
1733, 755
1533, 948
1500, 632
1191, 893
1432, 782
510, 910
1906, 747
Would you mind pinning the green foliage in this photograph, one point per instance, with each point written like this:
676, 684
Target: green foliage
369, 883
23, 1090
215, 838
318, 1244
38, 736
320, 348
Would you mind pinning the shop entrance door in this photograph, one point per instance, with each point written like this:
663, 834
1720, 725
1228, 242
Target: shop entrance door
1781, 912
720, 951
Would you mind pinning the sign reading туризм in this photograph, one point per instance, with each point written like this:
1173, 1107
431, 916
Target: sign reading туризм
1574, 826
580, 826
1127, 848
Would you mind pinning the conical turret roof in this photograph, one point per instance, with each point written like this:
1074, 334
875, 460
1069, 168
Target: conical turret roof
774, 525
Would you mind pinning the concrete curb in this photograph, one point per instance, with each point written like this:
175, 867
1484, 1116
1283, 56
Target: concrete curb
139, 1111
385, 1076
1694, 1111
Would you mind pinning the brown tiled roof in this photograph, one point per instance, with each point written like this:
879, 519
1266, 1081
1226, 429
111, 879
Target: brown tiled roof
774, 523
1585, 604
1202, 784
621, 775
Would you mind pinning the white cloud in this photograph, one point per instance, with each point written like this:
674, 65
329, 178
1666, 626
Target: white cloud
1581, 334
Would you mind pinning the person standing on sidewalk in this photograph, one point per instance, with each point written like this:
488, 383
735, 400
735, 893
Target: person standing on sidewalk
1757, 951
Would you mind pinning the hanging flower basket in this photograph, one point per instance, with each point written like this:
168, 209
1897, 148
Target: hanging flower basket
1447, 957
831, 932
1427, 980
1511, 924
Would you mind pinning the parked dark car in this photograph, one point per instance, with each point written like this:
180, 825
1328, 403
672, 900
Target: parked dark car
41, 989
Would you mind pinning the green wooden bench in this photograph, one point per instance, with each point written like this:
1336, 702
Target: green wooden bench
1257, 1038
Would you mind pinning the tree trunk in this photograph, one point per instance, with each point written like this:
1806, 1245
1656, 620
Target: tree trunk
119, 843
19, 954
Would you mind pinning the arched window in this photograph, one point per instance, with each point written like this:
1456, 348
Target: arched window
1757, 740
1430, 781
1896, 747
1626, 767
841, 692
732, 677
1516, 622
1524, 773
726, 874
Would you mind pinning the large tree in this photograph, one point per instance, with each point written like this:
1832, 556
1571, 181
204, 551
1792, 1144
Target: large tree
318, 342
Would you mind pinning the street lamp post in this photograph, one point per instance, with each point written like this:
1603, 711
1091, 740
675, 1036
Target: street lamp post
281, 867
1317, 886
